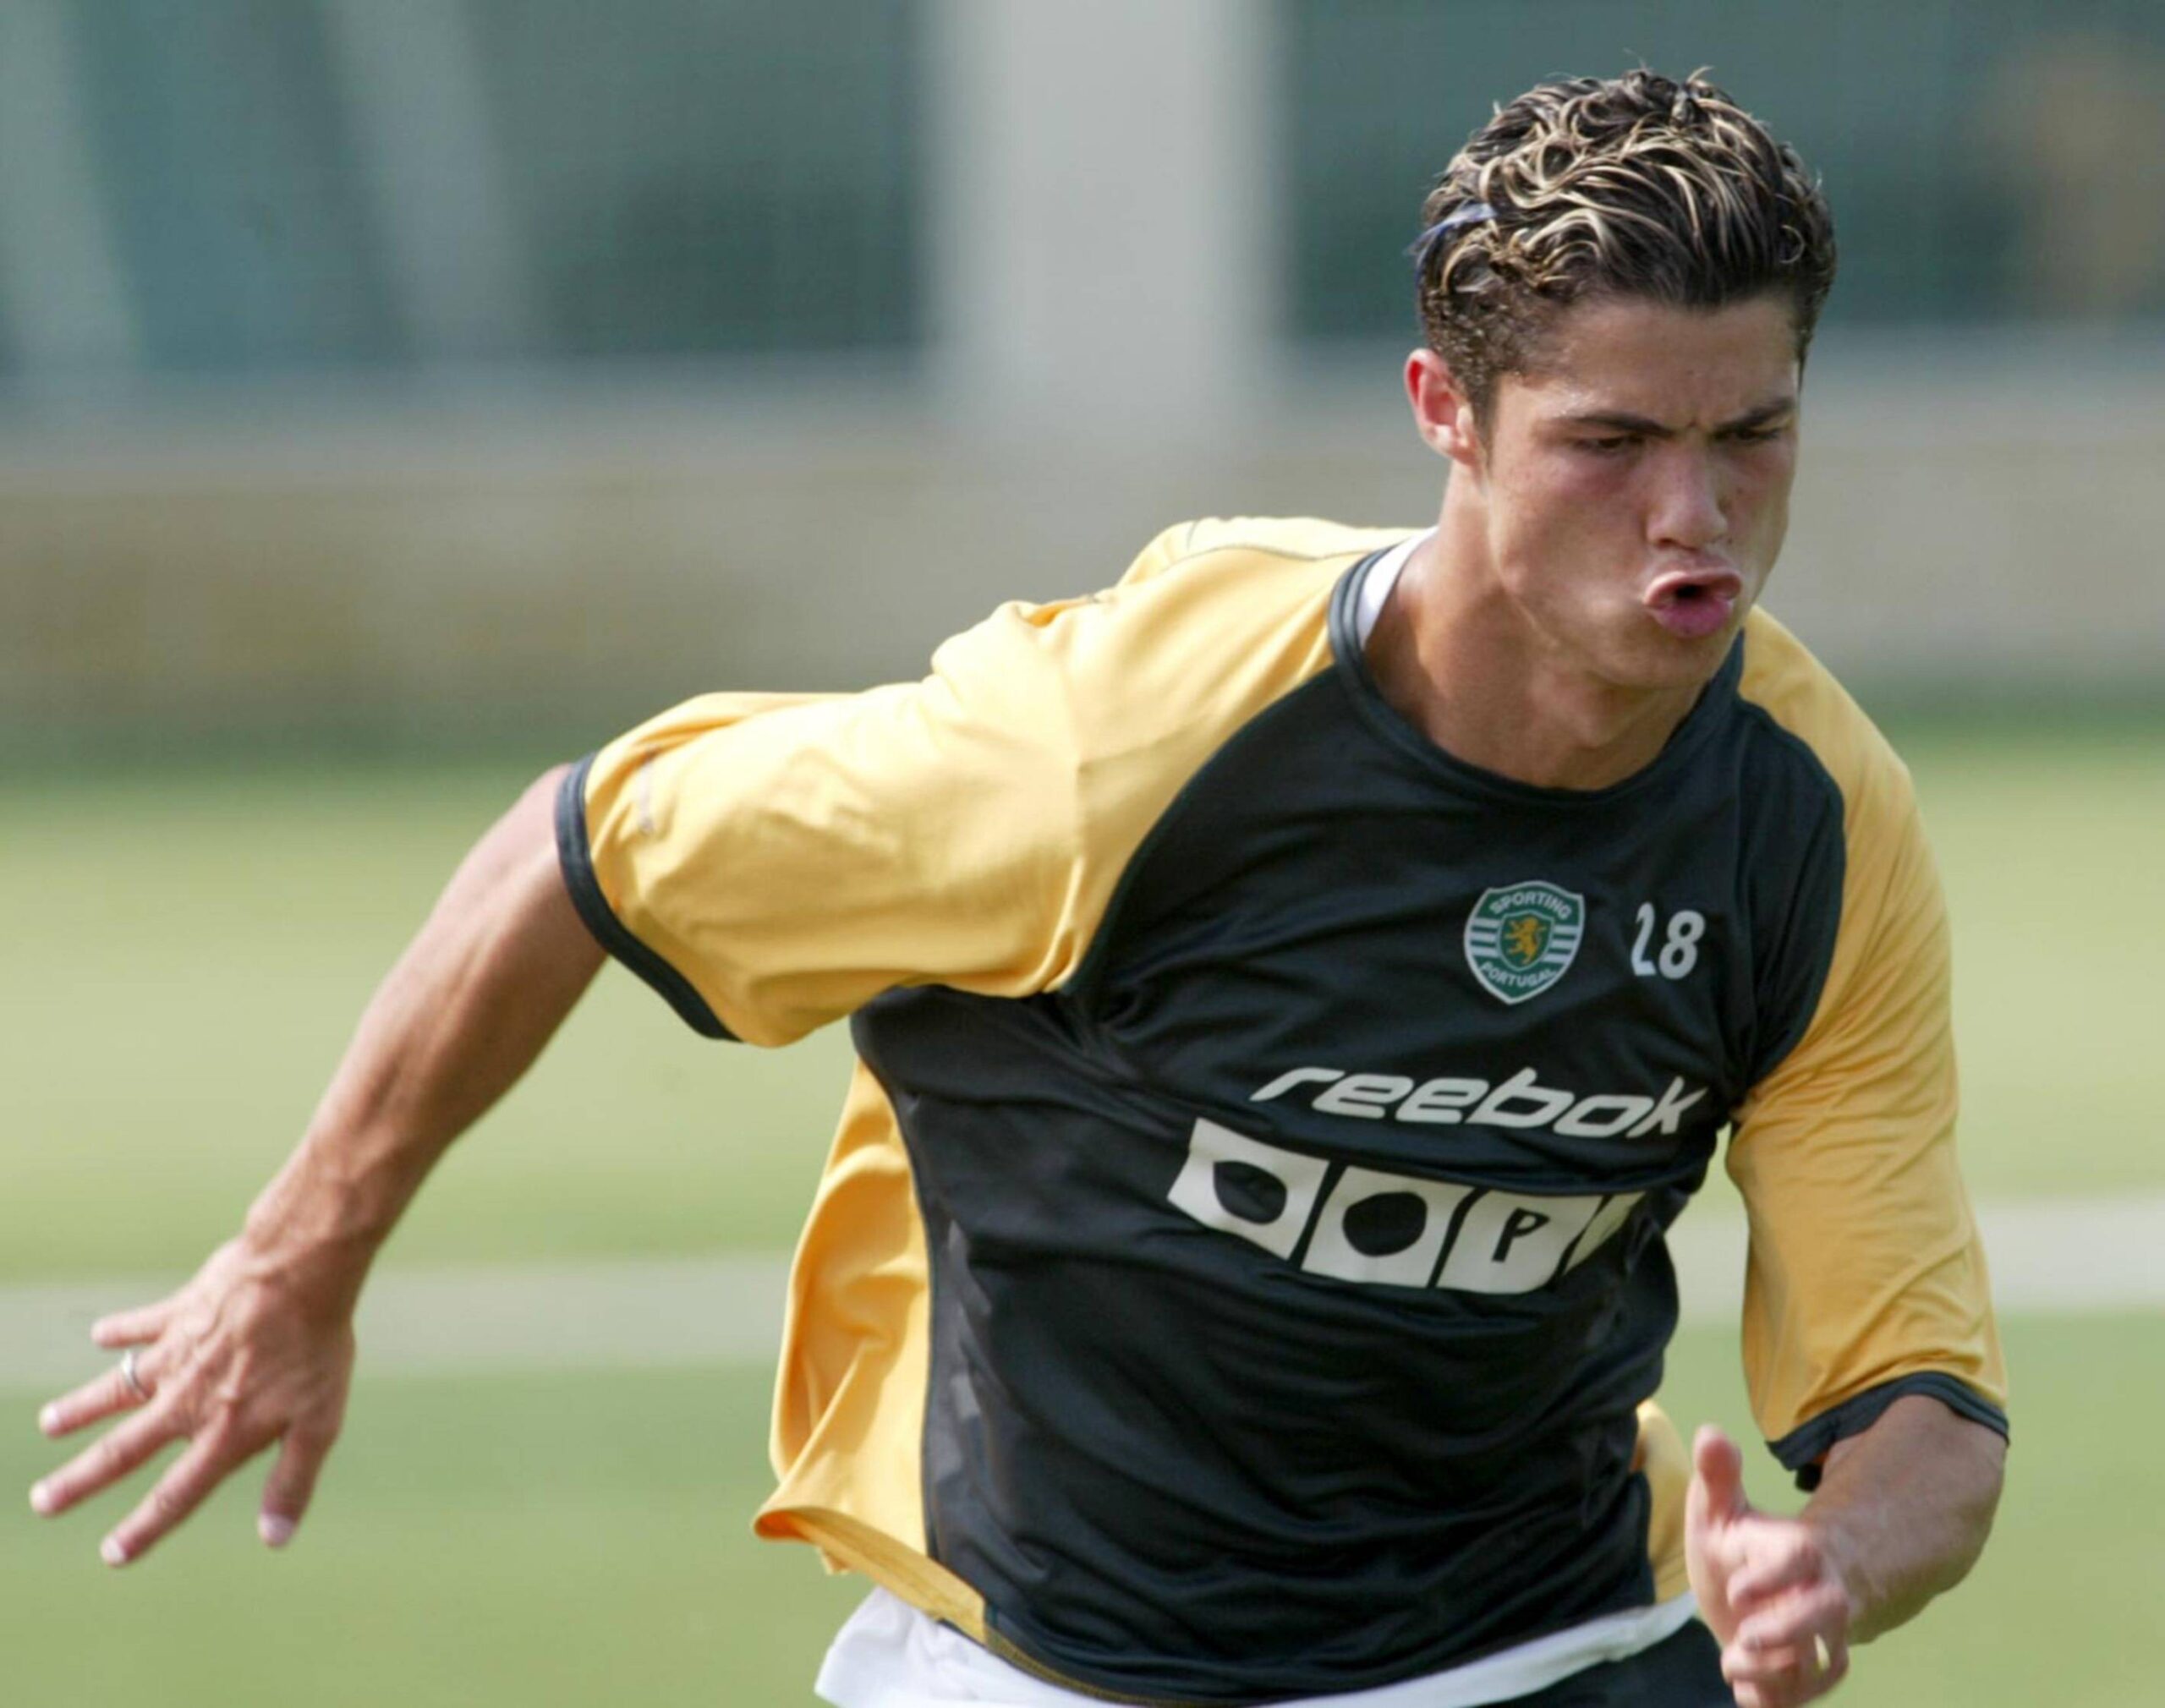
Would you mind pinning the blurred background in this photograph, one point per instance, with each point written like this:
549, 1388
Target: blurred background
398, 395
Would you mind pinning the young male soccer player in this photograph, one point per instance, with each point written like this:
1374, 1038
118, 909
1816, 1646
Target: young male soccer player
1294, 990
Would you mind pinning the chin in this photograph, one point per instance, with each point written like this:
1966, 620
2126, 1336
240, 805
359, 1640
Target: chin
1663, 662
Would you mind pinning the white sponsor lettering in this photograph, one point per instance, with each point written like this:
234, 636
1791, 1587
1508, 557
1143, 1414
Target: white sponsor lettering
1521, 1101
1505, 1242
1669, 1113
1609, 1218
1196, 1191
1602, 1117
1332, 1252
1365, 1095
1285, 1082
1511, 1244
1443, 1100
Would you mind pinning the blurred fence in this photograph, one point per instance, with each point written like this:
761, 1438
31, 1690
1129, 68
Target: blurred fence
253, 186
1989, 161
424, 369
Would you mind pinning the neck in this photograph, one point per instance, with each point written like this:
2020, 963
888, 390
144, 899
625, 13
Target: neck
1458, 659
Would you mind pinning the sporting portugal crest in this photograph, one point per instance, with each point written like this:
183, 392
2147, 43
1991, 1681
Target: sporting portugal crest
1522, 938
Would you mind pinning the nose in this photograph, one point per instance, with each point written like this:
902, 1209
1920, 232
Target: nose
1687, 510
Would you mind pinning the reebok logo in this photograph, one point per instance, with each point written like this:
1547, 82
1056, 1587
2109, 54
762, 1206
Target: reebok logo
1521, 1101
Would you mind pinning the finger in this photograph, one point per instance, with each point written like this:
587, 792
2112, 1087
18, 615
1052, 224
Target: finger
99, 1396
135, 1328
1790, 1690
1785, 1693
1818, 1681
290, 1487
1823, 1657
1717, 1476
115, 1453
1764, 1666
1791, 1672
209, 1460
1794, 1620
1780, 1560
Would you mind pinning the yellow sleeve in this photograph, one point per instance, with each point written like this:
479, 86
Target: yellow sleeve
770, 862
1866, 1278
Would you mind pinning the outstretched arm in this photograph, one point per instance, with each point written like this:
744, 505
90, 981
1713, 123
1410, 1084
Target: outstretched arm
259, 1348
1901, 1513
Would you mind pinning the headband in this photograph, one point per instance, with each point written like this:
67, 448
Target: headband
1471, 213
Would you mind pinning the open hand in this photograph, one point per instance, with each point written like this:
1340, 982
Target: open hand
1766, 1587
249, 1353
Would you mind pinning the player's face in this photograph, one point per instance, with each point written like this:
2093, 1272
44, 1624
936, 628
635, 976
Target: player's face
1636, 483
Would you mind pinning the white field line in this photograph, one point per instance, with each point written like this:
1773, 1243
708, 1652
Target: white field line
496, 1320
2050, 1256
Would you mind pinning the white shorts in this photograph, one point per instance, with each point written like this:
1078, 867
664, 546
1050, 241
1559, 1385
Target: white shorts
889, 1654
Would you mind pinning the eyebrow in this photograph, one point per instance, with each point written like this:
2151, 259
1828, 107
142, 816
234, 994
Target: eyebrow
1618, 422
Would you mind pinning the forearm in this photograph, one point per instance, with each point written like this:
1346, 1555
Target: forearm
499, 963
1903, 1508
259, 1346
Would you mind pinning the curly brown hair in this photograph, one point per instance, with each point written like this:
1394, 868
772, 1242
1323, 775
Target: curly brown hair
1630, 186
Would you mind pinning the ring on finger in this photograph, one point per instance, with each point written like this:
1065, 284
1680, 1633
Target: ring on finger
130, 1378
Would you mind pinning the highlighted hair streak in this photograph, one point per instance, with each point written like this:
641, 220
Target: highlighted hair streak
1633, 186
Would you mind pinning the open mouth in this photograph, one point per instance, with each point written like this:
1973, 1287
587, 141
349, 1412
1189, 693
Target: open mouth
1694, 603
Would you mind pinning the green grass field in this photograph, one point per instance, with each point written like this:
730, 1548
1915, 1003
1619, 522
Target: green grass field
184, 955
580, 1540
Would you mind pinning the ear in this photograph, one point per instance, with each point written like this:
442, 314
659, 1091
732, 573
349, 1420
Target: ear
1443, 415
